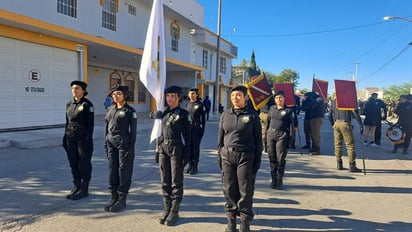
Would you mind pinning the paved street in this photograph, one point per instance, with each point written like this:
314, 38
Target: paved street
316, 196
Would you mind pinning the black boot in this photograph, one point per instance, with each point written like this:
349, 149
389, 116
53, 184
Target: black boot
353, 168
76, 188
83, 192
174, 213
244, 225
279, 182
167, 203
115, 198
194, 168
339, 165
189, 168
273, 182
231, 222
120, 204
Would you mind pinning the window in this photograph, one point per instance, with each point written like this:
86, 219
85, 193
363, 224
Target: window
141, 93
131, 9
67, 7
205, 57
222, 65
129, 82
115, 79
109, 14
175, 35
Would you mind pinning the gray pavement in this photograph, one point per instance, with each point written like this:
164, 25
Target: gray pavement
35, 176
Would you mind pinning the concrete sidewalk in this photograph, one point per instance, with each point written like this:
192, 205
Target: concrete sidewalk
316, 196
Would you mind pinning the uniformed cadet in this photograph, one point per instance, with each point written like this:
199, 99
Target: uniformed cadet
239, 155
195, 108
78, 139
263, 115
404, 113
173, 154
316, 107
296, 111
120, 139
281, 121
343, 132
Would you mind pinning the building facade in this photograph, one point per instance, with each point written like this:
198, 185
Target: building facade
44, 48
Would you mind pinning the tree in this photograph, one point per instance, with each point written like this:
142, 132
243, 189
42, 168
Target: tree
288, 76
394, 91
253, 69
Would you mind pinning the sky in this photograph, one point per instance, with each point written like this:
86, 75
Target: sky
325, 39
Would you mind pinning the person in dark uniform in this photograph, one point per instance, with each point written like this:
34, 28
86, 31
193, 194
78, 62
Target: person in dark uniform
197, 114
120, 139
263, 115
372, 111
343, 132
316, 106
306, 124
208, 106
173, 153
381, 116
239, 155
296, 111
281, 121
78, 139
404, 112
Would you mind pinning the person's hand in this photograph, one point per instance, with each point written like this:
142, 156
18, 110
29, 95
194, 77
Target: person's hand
157, 157
361, 129
256, 165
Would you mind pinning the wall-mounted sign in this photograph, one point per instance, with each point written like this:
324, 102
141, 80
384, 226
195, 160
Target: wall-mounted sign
33, 89
34, 75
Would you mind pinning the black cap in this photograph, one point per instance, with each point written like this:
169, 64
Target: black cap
123, 88
193, 89
280, 92
82, 84
241, 88
374, 94
173, 89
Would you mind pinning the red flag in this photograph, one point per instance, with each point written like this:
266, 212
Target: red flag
346, 98
320, 87
289, 93
259, 91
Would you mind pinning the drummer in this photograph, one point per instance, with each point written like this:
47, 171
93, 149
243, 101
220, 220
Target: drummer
404, 112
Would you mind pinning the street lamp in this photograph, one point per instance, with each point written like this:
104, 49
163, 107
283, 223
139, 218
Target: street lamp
387, 18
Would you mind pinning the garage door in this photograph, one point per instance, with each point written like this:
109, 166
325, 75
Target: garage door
34, 83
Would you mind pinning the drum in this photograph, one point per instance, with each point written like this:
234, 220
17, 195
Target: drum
395, 134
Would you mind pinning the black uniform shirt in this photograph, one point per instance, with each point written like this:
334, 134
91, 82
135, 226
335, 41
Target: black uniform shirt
196, 112
121, 121
240, 128
280, 119
404, 111
175, 124
80, 117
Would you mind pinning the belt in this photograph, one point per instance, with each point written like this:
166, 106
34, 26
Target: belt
340, 120
237, 148
170, 141
277, 130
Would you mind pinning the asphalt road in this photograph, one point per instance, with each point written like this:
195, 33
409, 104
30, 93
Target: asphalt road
316, 196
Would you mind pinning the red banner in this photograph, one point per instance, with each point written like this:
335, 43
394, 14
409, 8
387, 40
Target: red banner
320, 87
259, 91
289, 93
346, 98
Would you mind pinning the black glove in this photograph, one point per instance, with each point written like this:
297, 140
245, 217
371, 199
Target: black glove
156, 115
157, 157
256, 164
185, 161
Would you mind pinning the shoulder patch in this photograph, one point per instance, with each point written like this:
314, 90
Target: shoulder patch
91, 110
134, 115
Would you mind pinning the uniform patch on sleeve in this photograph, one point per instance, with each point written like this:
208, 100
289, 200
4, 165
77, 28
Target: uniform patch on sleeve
134, 115
91, 110
189, 118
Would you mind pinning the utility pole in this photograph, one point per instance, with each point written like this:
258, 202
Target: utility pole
216, 92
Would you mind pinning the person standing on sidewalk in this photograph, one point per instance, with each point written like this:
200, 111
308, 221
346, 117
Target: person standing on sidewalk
404, 113
173, 153
120, 139
381, 116
280, 122
78, 139
208, 106
343, 132
316, 106
239, 155
195, 109
372, 111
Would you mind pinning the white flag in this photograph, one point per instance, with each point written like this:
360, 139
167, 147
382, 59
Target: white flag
153, 67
